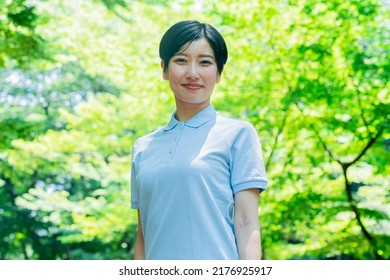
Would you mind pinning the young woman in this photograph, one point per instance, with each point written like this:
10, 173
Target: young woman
196, 181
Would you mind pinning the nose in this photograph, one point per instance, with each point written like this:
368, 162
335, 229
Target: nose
192, 72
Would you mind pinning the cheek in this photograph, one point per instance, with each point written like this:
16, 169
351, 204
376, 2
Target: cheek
212, 76
176, 74
211, 71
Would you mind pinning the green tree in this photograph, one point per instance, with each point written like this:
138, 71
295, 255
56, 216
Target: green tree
19, 42
310, 75
316, 84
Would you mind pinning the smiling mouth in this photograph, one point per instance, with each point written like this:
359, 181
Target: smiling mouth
192, 86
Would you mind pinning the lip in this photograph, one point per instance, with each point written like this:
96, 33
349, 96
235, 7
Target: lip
191, 86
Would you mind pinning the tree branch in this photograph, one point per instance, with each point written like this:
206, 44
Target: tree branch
345, 165
369, 144
355, 210
274, 145
285, 110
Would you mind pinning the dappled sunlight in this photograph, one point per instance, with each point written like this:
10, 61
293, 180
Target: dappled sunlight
80, 81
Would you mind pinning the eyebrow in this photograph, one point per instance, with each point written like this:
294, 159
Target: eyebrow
201, 55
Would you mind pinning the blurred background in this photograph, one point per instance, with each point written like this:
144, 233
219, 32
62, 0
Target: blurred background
80, 80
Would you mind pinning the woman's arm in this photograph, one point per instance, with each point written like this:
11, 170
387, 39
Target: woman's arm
139, 248
246, 224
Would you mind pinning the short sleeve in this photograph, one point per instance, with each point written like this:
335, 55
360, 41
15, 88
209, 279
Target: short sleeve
133, 182
246, 161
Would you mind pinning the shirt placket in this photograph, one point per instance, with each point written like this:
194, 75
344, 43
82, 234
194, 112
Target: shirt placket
176, 138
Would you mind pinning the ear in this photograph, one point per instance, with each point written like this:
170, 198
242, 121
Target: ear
219, 76
165, 74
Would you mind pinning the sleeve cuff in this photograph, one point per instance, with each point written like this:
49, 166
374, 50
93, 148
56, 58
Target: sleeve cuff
258, 184
134, 205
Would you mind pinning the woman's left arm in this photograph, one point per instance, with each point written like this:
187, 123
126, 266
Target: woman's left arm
246, 224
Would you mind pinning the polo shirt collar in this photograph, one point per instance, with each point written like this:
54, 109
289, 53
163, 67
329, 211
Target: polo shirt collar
202, 117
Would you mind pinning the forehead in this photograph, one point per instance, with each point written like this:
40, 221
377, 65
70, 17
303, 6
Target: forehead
199, 46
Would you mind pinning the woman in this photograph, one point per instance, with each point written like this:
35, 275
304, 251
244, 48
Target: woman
196, 181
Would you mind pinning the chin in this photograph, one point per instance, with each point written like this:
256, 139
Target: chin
194, 101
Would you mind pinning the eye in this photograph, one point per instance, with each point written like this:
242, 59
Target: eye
180, 60
206, 62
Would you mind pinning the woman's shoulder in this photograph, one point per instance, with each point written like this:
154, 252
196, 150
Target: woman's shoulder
147, 138
234, 123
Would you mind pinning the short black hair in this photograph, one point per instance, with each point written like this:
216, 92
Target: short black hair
187, 31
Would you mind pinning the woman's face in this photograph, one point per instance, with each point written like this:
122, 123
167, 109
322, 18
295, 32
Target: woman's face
192, 73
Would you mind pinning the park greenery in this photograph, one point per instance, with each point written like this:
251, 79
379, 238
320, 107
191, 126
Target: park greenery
80, 81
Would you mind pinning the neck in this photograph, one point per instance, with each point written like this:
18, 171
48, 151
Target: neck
186, 111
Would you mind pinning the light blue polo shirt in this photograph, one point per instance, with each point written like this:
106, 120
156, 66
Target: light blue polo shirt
183, 180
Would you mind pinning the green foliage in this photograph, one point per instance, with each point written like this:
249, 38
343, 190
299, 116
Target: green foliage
19, 43
81, 80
